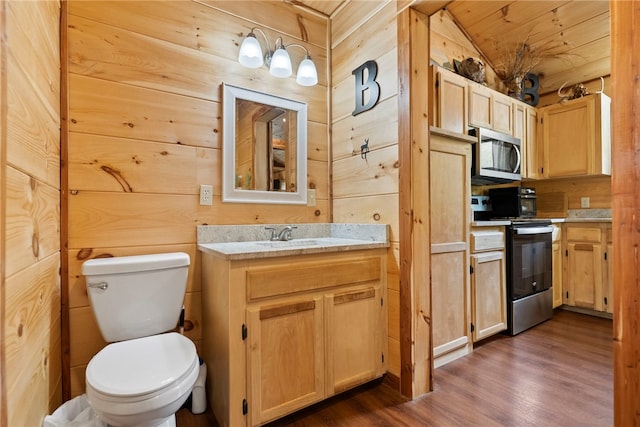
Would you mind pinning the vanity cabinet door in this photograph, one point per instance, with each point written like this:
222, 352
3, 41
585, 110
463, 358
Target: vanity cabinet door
356, 330
285, 357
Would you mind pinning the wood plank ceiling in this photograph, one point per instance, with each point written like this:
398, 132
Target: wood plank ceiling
576, 32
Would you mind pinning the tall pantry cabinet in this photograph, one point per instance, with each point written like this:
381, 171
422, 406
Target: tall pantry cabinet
450, 175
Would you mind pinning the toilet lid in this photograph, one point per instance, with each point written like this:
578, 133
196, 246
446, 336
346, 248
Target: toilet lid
142, 365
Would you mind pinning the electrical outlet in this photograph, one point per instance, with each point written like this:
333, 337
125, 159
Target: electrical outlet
206, 195
584, 202
311, 197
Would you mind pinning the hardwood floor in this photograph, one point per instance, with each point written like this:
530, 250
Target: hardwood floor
559, 373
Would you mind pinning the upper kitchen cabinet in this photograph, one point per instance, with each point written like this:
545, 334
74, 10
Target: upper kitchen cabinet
490, 109
449, 106
459, 103
525, 123
576, 137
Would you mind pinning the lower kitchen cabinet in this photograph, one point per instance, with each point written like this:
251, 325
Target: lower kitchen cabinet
608, 281
556, 260
488, 282
587, 260
284, 332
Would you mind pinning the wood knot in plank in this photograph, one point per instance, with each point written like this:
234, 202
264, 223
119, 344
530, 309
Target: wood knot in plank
118, 177
35, 244
303, 30
84, 253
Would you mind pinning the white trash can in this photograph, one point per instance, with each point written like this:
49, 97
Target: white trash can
74, 413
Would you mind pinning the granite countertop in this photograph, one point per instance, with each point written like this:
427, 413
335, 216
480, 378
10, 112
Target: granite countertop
236, 242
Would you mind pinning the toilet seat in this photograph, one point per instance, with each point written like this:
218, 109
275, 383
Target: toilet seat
142, 375
141, 366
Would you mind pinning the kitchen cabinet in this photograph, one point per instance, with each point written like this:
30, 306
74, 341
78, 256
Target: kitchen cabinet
449, 106
480, 101
576, 137
525, 125
488, 282
287, 331
608, 281
490, 109
450, 181
556, 261
587, 264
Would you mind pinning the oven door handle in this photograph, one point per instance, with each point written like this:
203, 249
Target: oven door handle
534, 230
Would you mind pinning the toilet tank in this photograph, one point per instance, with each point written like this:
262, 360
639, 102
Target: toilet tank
136, 296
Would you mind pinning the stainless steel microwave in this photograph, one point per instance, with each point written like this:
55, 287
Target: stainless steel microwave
497, 157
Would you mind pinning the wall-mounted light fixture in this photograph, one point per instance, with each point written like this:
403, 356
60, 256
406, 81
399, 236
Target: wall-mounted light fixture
278, 60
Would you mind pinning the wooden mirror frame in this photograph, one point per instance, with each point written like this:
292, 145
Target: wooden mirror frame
230, 94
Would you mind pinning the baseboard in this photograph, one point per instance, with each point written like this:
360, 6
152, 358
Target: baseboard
392, 381
581, 310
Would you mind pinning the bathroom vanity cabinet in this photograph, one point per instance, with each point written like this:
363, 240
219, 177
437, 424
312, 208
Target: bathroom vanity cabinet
283, 332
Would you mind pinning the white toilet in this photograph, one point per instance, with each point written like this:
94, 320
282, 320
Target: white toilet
145, 375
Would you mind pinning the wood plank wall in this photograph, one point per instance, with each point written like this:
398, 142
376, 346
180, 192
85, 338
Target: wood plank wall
145, 132
3, 179
366, 190
31, 359
447, 42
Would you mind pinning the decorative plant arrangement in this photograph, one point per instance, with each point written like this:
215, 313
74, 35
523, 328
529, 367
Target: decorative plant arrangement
516, 61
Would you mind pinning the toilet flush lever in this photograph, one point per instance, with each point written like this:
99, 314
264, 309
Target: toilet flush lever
102, 285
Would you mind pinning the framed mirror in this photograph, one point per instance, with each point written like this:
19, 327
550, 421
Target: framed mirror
264, 157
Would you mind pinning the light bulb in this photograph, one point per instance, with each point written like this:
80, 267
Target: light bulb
280, 63
250, 54
307, 73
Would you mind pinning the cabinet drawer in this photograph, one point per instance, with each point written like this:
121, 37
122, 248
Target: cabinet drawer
584, 234
303, 277
487, 240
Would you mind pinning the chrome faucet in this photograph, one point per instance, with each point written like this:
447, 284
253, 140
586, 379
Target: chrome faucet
284, 234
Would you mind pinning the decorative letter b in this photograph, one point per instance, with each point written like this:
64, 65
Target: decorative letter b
362, 86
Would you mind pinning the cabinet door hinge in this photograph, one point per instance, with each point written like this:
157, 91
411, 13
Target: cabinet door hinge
605, 301
437, 82
470, 269
605, 256
567, 294
381, 302
566, 252
245, 407
473, 328
244, 332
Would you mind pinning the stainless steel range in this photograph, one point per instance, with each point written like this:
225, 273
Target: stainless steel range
528, 247
529, 274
